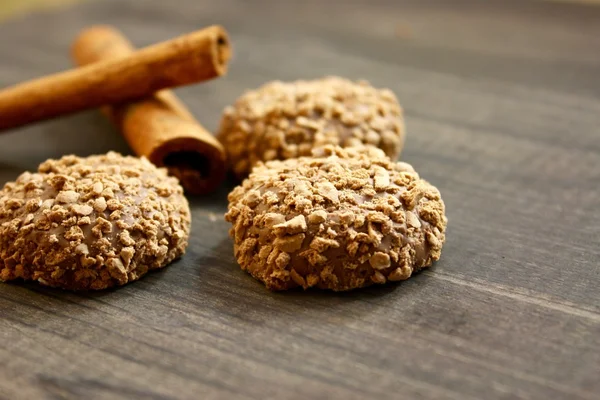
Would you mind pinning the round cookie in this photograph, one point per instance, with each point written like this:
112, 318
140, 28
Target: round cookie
91, 223
287, 120
341, 220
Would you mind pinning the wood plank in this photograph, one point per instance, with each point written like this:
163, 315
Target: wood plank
502, 104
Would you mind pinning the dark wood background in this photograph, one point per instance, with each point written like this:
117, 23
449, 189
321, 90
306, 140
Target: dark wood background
502, 103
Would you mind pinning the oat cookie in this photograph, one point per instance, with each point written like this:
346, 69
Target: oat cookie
287, 120
91, 223
341, 220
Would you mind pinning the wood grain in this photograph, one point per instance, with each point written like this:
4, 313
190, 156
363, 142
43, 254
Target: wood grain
502, 102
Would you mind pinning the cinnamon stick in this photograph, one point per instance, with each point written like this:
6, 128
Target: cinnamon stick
159, 127
190, 58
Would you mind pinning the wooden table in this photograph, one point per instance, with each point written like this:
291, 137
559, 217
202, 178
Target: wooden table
502, 102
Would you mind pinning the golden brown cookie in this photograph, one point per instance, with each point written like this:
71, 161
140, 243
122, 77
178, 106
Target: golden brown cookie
91, 223
287, 120
341, 220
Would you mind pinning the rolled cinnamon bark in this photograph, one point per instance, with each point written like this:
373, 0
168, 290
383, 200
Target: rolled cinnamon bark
158, 127
190, 58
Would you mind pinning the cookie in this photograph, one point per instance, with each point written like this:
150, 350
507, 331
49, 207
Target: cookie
282, 120
340, 220
91, 223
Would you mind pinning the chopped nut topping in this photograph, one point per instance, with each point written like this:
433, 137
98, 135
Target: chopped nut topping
380, 261
400, 274
67, 197
293, 226
317, 217
412, 220
289, 243
82, 209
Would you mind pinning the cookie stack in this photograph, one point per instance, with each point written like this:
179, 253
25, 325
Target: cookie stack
324, 204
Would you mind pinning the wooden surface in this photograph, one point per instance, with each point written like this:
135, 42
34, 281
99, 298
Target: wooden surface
9, 8
502, 102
